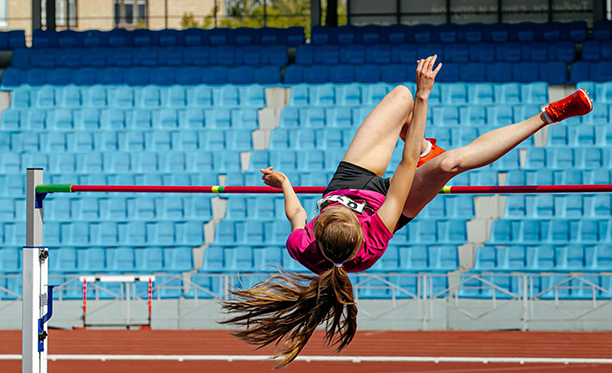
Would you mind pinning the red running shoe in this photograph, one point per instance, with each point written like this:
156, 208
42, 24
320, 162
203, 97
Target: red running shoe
433, 152
578, 103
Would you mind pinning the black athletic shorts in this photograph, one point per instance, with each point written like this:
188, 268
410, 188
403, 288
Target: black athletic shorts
350, 176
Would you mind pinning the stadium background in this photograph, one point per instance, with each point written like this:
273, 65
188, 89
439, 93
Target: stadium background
150, 92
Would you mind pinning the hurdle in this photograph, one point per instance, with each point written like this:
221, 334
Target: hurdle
37, 294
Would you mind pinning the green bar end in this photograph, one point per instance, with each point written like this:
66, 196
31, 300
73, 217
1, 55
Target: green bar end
54, 188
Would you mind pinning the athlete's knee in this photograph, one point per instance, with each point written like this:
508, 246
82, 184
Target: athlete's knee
450, 163
402, 93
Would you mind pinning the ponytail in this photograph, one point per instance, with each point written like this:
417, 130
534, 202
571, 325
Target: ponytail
287, 308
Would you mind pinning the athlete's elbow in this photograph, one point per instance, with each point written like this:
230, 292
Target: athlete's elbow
408, 161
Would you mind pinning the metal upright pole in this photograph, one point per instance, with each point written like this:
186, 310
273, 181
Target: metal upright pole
34, 280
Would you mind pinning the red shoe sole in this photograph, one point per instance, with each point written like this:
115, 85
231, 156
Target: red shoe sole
586, 97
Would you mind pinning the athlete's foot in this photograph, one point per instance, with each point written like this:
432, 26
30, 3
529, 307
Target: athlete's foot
432, 150
578, 103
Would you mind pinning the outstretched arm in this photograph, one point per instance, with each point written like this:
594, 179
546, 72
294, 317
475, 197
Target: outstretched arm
293, 208
403, 176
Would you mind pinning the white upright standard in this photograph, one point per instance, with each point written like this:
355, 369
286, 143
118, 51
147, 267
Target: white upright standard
35, 281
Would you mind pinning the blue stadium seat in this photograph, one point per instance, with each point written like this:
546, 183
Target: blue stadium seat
194, 37
10, 260
267, 256
323, 35
603, 258
379, 54
21, 58
553, 72
578, 31
367, 73
580, 72
326, 55
91, 260
591, 50
120, 260
169, 37
421, 33
133, 76
178, 259
602, 30
600, 71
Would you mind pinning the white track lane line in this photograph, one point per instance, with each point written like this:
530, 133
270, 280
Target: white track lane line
345, 359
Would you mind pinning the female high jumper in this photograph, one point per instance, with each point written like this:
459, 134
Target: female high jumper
360, 211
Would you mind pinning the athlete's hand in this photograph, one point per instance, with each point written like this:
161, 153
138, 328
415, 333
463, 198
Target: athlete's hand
425, 76
271, 178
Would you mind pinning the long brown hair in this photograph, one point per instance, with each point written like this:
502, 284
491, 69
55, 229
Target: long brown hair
287, 308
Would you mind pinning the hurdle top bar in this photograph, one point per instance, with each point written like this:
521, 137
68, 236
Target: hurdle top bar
522, 189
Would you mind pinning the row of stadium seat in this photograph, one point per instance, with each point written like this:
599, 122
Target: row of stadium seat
491, 116
110, 234
70, 260
357, 54
330, 138
546, 287
580, 136
419, 231
558, 206
515, 176
12, 40
138, 119
599, 92
207, 286
357, 94
133, 140
485, 176
169, 287
13, 77
594, 50
12, 185
145, 97
290, 36
229, 259
354, 94
327, 160
264, 207
406, 286
498, 72
113, 208
569, 158
575, 258
129, 162
595, 71
554, 231
548, 176
451, 33
158, 56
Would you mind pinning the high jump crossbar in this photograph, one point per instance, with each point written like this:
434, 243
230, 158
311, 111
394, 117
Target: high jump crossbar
522, 189
36, 291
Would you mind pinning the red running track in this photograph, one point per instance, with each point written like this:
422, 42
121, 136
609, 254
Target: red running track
366, 343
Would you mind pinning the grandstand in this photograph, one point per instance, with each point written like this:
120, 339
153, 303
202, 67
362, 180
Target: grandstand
213, 106
131, 99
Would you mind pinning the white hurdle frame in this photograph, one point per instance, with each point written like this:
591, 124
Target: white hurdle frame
35, 280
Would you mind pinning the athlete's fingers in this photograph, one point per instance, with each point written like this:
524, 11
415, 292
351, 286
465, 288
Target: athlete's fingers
430, 63
433, 62
420, 66
437, 69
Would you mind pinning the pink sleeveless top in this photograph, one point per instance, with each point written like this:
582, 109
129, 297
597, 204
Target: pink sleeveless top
302, 247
